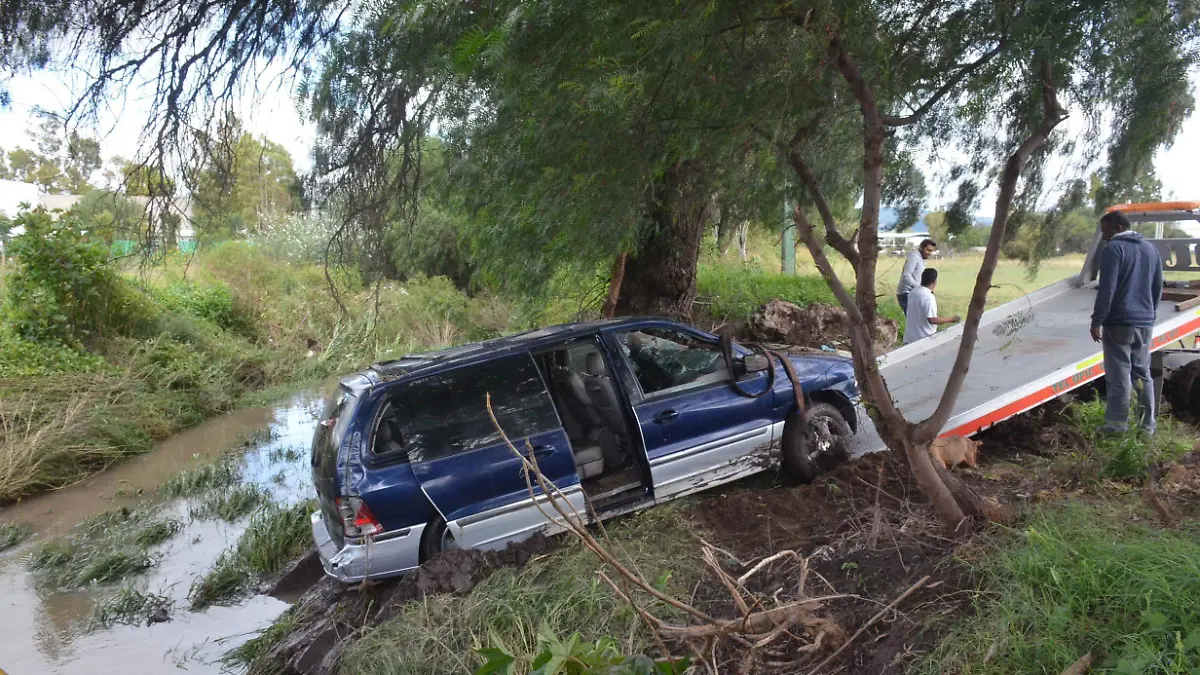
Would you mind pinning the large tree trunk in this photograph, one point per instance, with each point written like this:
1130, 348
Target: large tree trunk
660, 279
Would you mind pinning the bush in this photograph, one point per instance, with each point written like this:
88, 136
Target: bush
211, 302
64, 291
19, 357
734, 292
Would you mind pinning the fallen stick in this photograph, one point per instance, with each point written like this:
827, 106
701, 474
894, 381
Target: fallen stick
1079, 667
891, 605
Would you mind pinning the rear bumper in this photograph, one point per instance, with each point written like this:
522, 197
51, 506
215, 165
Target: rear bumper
385, 555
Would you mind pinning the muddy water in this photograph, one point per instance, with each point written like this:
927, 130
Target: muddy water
43, 632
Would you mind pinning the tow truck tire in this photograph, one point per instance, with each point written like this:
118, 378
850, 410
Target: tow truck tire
435, 539
1183, 392
808, 452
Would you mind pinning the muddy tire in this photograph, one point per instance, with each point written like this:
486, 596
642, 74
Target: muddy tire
1182, 391
435, 539
810, 449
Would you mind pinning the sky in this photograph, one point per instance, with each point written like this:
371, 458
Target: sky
272, 112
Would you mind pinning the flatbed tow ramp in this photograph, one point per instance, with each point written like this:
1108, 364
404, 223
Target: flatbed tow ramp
1037, 347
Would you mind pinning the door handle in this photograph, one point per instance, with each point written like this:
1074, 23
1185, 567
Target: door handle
543, 451
664, 416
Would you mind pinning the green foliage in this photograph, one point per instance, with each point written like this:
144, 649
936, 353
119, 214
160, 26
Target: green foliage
213, 475
573, 656
64, 290
213, 303
231, 505
244, 179
735, 292
62, 163
20, 357
109, 216
1080, 579
13, 534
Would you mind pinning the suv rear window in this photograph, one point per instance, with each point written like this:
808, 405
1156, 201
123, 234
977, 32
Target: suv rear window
331, 430
446, 414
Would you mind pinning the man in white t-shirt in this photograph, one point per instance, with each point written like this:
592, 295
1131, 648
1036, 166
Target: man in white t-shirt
921, 319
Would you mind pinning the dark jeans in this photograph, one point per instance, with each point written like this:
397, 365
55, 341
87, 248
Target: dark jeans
902, 298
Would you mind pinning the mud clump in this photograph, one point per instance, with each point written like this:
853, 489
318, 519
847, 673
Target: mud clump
330, 613
780, 321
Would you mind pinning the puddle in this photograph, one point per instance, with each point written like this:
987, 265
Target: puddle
45, 632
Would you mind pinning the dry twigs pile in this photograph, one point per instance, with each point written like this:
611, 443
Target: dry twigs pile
768, 632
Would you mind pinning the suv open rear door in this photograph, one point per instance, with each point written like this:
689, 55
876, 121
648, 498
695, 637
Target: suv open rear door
468, 472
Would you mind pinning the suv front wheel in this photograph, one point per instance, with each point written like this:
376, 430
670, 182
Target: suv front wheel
815, 444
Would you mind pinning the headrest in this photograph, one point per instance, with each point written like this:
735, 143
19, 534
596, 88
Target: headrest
595, 365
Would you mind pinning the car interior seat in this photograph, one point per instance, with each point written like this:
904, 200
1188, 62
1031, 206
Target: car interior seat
603, 394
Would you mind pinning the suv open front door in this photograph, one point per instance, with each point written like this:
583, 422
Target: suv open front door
465, 468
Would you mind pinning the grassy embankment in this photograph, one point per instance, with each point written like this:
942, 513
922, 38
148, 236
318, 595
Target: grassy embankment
197, 338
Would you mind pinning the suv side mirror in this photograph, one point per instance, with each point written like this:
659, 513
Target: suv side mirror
756, 363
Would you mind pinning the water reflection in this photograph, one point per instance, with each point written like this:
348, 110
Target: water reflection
45, 633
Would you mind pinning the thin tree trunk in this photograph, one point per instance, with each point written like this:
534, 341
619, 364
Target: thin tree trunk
614, 286
661, 278
952, 499
724, 232
743, 232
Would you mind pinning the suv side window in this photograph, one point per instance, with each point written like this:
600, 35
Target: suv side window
446, 414
666, 361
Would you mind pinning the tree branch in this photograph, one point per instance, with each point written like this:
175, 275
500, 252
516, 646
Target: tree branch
945, 89
832, 236
1052, 115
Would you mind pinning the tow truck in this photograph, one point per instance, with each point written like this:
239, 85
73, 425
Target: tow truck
1037, 348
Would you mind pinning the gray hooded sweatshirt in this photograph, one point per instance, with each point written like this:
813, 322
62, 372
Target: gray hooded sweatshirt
1131, 282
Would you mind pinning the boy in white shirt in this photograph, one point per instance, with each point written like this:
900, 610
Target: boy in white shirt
921, 319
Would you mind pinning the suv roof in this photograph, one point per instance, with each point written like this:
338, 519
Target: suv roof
444, 359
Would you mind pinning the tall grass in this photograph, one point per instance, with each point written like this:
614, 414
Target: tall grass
561, 592
1131, 454
1077, 579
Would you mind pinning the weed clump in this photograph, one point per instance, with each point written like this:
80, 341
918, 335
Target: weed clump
276, 536
231, 505
130, 607
102, 549
202, 478
13, 534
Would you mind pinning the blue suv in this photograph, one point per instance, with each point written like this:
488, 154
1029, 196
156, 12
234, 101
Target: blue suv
620, 414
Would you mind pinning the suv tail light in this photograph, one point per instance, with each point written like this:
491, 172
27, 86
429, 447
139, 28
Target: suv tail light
357, 519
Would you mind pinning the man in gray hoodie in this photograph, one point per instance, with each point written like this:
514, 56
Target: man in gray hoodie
1131, 281
910, 275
